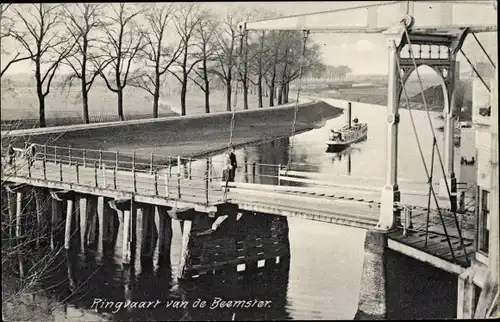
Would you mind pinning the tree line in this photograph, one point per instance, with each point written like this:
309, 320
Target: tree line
138, 45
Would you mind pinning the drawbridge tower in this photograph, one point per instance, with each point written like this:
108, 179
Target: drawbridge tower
417, 33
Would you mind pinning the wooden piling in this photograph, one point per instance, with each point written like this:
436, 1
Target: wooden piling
126, 249
42, 217
19, 213
56, 220
60, 171
90, 234
11, 202
189, 168
186, 236
69, 218
104, 212
164, 236
149, 233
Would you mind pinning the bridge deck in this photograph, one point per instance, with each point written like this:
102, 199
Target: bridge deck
205, 195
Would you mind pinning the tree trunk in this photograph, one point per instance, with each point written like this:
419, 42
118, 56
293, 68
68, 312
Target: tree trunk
156, 102
286, 96
120, 104
259, 92
207, 97
156, 94
39, 92
280, 94
183, 96
41, 104
228, 96
245, 96
85, 101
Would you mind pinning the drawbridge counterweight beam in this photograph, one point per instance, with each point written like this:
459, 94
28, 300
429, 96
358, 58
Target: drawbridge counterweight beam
430, 17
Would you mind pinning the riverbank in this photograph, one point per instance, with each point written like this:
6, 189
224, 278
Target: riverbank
20, 107
188, 136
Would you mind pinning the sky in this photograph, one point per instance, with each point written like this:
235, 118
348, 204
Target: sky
365, 54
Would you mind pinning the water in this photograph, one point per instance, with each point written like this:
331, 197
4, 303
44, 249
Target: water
322, 280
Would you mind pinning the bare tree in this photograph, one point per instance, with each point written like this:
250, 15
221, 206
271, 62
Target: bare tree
7, 25
206, 51
46, 45
158, 56
228, 39
187, 21
124, 41
81, 22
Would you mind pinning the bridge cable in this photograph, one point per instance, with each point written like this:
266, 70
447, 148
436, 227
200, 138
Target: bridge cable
407, 99
235, 101
434, 136
294, 127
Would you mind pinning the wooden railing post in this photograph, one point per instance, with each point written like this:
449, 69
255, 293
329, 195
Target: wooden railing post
104, 174
114, 177
253, 171
84, 157
151, 164
156, 182
133, 171
206, 180
189, 168
116, 159
77, 173
69, 155
45, 152
179, 176
279, 174
55, 154
210, 169
95, 174
44, 165
60, 171
166, 185
100, 158
170, 166
29, 168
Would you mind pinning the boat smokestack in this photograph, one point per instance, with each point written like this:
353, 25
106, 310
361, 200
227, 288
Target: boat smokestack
349, 115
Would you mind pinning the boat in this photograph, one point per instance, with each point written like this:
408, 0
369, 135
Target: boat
349, 134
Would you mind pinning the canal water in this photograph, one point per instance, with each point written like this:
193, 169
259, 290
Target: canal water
322, 280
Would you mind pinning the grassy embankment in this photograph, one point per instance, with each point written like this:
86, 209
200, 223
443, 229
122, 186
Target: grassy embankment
376, 93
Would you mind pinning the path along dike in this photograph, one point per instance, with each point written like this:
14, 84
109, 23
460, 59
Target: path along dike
187, 136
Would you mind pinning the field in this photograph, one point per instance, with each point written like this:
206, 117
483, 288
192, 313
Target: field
64, 107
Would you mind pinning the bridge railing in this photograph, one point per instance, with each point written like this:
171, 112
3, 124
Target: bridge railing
115, 170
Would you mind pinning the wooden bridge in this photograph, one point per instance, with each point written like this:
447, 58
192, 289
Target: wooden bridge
188, 183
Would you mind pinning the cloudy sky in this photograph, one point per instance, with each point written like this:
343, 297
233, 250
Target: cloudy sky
365, 54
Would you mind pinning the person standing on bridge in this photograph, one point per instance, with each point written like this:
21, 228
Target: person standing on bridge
11, 153
234, 164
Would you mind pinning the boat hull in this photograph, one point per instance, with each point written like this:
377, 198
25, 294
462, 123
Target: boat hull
335, 146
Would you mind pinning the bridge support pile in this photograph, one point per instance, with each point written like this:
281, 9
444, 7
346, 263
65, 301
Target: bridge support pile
232, 242
373, 294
